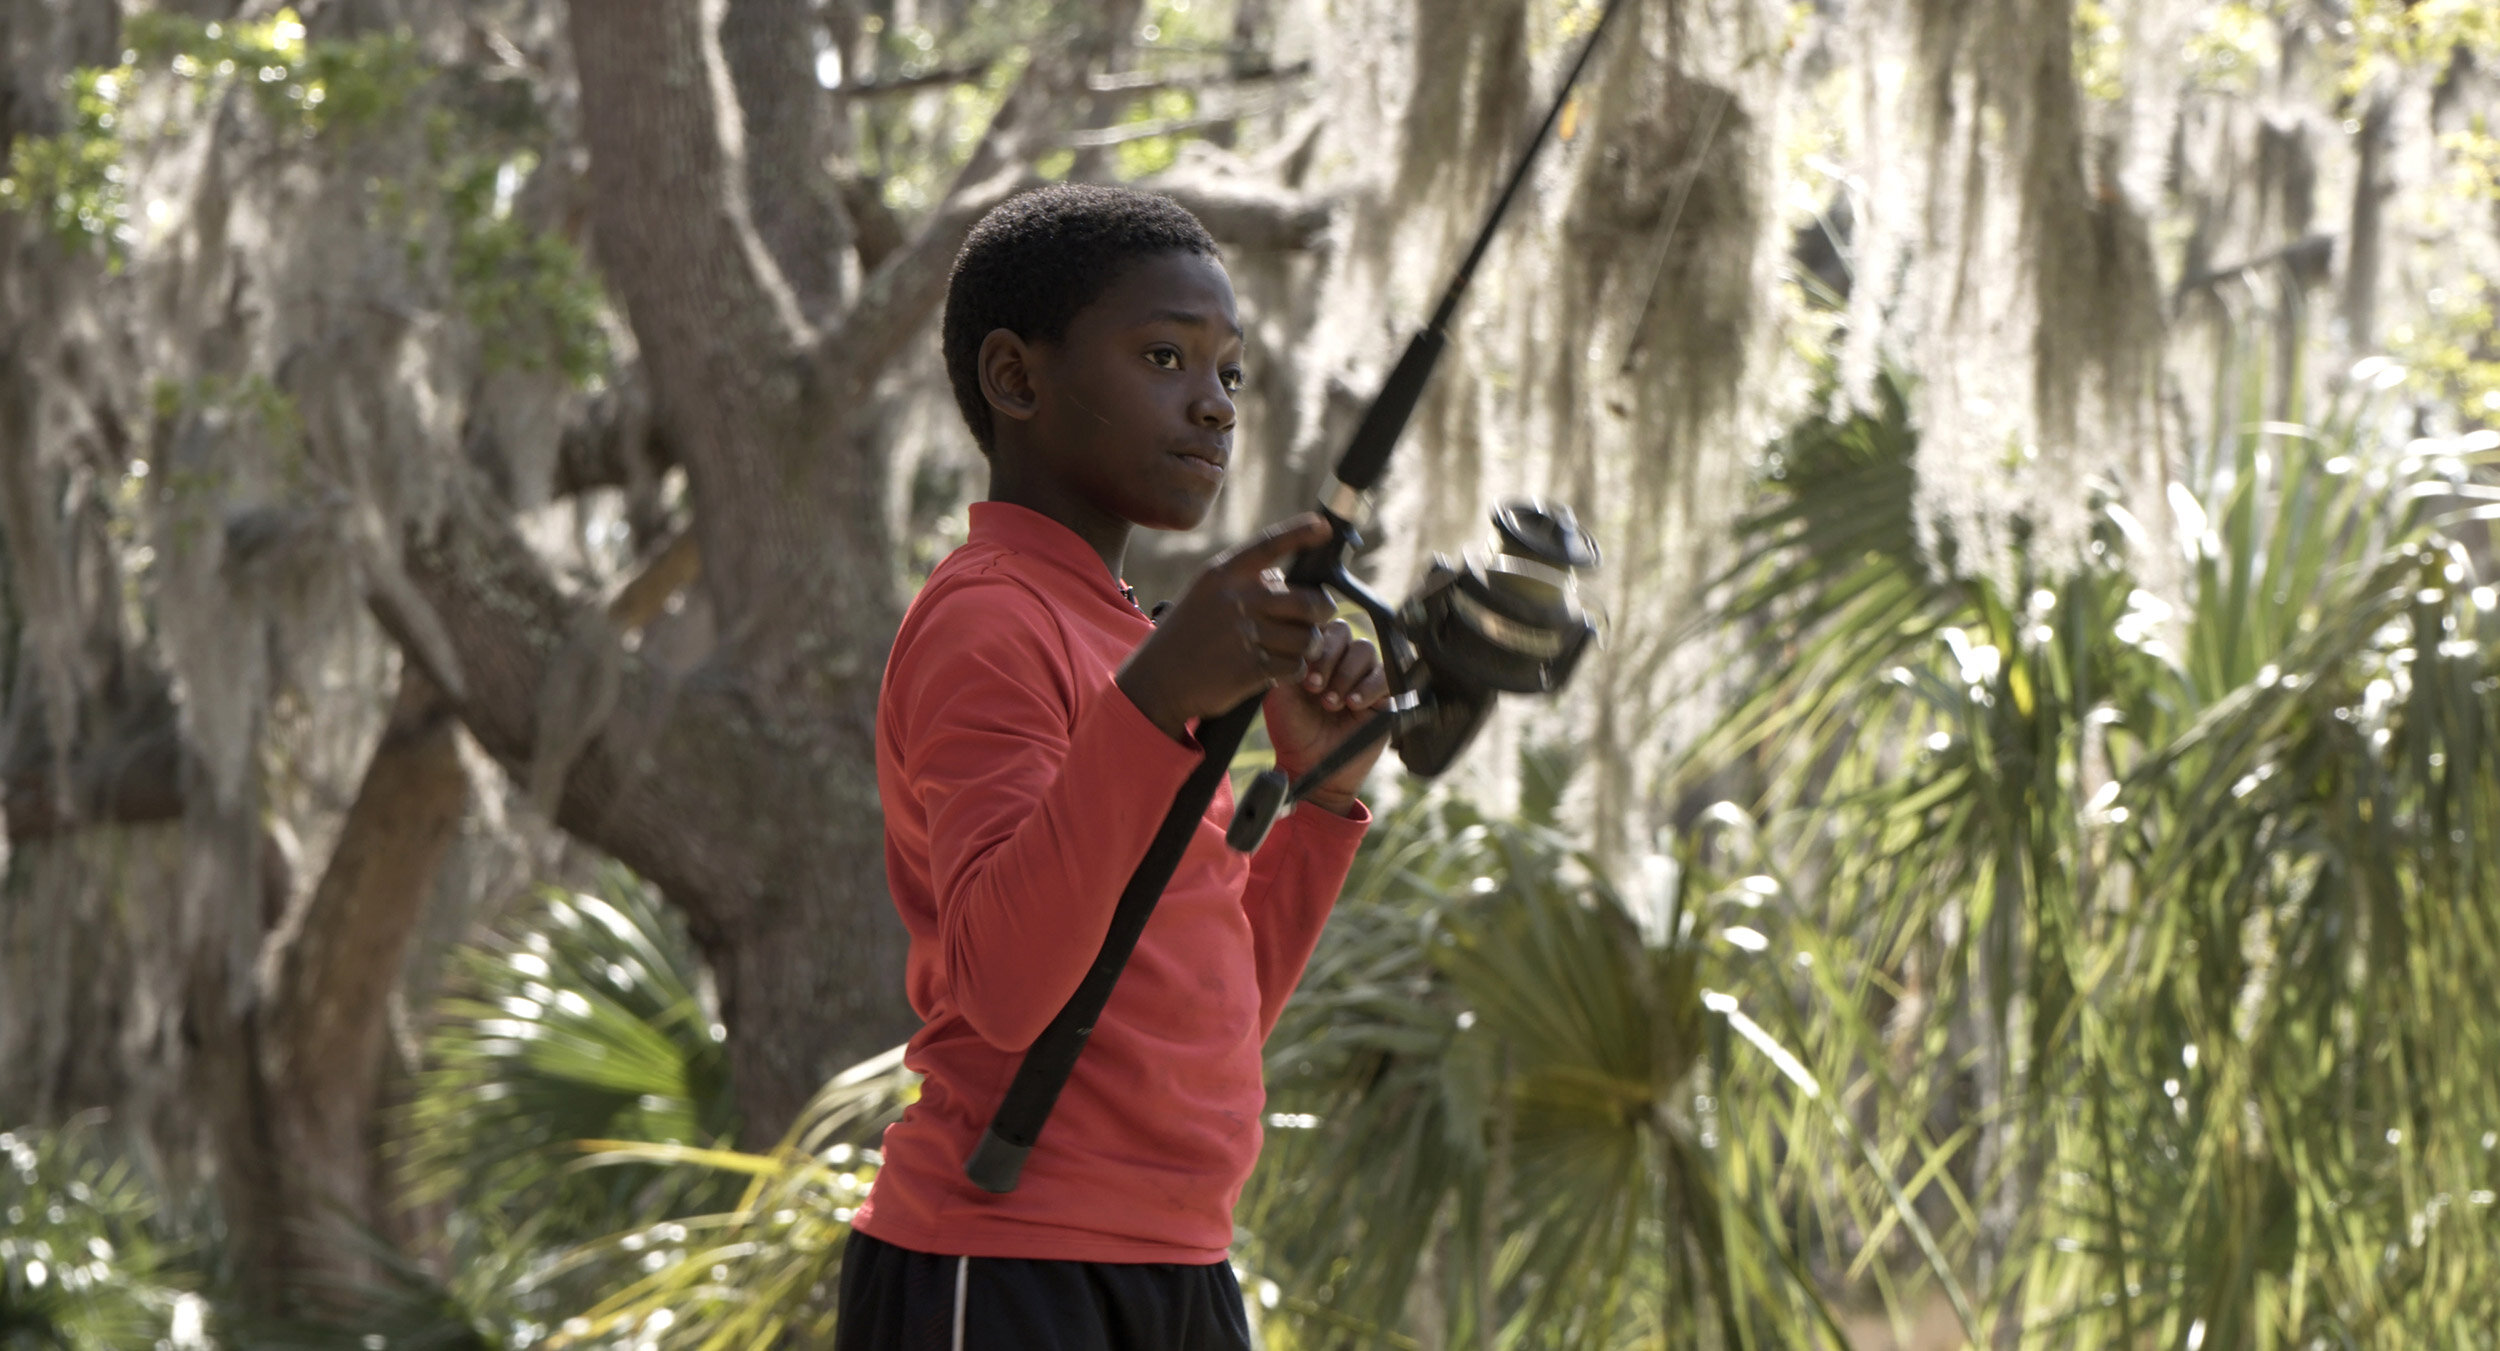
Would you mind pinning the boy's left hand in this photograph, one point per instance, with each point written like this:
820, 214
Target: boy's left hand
1342, 683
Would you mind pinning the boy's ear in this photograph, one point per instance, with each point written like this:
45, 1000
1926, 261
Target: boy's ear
1006, 365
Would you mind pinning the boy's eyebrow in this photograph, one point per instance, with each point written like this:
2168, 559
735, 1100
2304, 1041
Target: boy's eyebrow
1192, 318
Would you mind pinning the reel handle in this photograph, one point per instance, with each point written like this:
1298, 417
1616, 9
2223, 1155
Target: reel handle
1271, 796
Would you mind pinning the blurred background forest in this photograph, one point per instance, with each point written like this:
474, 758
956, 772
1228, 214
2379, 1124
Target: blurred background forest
2023, 871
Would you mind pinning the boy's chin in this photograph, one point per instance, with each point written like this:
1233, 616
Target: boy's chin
1175, 516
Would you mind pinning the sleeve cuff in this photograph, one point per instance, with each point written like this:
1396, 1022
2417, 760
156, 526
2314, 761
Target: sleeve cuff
1326, 822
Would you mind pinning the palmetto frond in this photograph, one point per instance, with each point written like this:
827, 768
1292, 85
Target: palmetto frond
576, 1019
761, 1273
1498, 1113
83, 1266
2170, 907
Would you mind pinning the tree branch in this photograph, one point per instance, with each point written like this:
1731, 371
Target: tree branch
1148, 82
878, 232
899, 295
747, 821
961, 73
513, 634
323, 1033
1100, 137
897, 298
672, 224
790, 516
2308, 258
1249, 214
770, 53
671, 570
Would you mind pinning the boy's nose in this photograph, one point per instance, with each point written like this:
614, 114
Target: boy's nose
1212, 409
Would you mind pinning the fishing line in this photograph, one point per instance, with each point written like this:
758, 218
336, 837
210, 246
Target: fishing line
1675, 218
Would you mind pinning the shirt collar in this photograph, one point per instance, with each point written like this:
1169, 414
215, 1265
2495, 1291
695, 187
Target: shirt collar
1024, 531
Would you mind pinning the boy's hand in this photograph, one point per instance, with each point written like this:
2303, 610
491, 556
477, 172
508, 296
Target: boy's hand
1306, 718
1236, 632
1240, 630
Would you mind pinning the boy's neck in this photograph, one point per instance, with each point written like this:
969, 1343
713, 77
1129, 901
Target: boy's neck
1104, 533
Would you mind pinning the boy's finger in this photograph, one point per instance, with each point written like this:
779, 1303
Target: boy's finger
1360, 680
1322, 669
1287, 640
1274, 545
1305, 605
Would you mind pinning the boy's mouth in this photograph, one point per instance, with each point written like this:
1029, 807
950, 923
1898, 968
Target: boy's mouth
1206, 463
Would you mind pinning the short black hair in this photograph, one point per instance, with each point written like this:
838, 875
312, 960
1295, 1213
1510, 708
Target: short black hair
1040, 257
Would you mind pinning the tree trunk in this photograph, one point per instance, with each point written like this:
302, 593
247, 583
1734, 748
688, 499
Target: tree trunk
758, 827
769, 48
741, 790
322, 1027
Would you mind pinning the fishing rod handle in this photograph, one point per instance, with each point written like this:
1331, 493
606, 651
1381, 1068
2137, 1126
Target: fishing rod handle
1267, 797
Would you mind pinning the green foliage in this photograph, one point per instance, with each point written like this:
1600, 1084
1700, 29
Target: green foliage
2451, 346
913, 146
306, 87
2141, 927
1502, 1105
2384, 36
193, 494
529, 293
2233, 41
74, 179
82, 1265
2099, 54
2452, 353
1168, 26
1153, 154
255, 397
763, 1273
576, 1020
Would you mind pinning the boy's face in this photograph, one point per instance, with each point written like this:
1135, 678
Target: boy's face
1132, 412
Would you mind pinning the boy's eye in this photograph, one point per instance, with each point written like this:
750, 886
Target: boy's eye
1166, 357
1232, 380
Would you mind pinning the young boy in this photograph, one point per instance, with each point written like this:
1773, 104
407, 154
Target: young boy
1033, 728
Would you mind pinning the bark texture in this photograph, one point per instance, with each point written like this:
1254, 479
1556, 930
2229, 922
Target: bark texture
323, 1037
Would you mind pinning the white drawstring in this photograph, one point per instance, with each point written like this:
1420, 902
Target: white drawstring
963, 1277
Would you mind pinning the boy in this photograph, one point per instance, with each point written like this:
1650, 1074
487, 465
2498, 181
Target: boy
1031, 732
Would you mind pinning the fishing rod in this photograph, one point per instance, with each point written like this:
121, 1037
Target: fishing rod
1508, 622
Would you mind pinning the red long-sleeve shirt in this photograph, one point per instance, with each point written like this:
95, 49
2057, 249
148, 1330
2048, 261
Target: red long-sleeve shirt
1020, 788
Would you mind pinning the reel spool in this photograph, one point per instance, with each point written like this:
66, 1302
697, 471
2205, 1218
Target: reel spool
1480, 627
1505, 623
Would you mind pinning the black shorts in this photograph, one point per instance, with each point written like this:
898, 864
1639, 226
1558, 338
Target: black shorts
895, 1299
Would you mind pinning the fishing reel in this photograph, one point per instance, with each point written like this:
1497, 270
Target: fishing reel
1480, 626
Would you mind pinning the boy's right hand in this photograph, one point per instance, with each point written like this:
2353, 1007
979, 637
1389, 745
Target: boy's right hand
1236, 632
